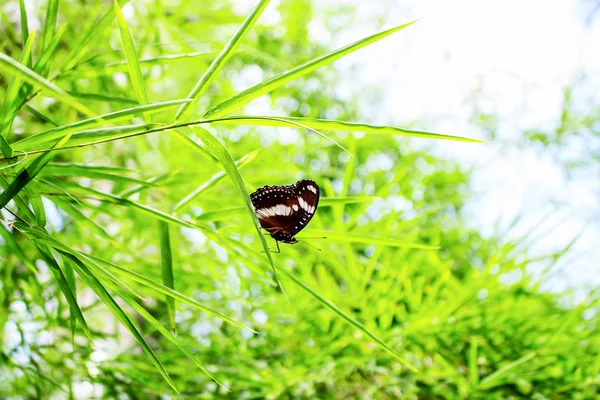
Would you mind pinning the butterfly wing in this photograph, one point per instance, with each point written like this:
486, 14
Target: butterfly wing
306, 202
273, 207
284, 211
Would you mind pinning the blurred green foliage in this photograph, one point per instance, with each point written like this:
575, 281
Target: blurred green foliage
468, 312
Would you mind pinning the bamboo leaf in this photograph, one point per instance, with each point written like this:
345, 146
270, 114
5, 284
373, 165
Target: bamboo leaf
216, 178
95, 33
27, 174
29, 76
267, 86
46, 56
9, 105
165, 290
165, 332
116, 116
218, 63
135, 73
66, 289
332, 125
24, 23
217, 149
364, 238
122, 66
112, 304
49, 23
166, 256
33, 193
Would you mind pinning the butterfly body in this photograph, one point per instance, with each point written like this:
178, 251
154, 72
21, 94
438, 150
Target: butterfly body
283, 211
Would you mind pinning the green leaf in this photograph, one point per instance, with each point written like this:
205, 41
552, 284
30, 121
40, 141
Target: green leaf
9, 105
29, 76
165, 332
24, 23
61, 131
112, 304
358, 238
218, 63
50, 23
348, 319
94, 172
33, 193
46, 56
167, 268
95, 33
22, 204
166, 290
267, 86
65, 288
104, 98
332, 125
216, 178
496, 377
135, 73
27, 174
122, 66
217, 149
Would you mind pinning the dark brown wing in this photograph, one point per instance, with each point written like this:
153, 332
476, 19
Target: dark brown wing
285, 210
273, 207
306, 202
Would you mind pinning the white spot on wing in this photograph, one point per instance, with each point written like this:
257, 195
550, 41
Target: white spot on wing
295, 207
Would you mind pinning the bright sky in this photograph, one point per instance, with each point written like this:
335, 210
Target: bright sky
518, 55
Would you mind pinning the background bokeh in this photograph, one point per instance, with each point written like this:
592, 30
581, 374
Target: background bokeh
505, 308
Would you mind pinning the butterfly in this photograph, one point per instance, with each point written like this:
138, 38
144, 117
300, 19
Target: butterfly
283, 211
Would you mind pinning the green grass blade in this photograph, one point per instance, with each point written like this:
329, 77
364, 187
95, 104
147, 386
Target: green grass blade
216, 148
156, 180
269, 85
93, 172
49, 23
496, 377
472, 362
36, 80
9, 105
135, 73
121, 66
348, 318
27, 175
40, 115
112, 304
332, 125
24, 22
362, 238
196, 145
216, 178
65, 288
33, 193
165, 332
46, 56
10, 242
116, 116
81, 218
104, 98
166, 256
218, 63
93, 34
19, 201
165, 290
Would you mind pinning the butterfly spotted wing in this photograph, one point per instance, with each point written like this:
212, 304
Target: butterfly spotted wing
284, 211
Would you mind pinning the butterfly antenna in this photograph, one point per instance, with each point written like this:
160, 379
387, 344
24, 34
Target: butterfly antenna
302, 241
